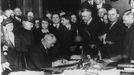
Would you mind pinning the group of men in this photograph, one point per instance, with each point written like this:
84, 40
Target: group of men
98, 30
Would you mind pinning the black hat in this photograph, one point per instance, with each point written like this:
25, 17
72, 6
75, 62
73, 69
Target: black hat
6, 21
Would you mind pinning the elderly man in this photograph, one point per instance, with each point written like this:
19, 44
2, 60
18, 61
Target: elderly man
128, 20
89, 31
41, 54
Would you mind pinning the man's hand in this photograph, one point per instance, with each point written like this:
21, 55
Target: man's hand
6, 66
5, 48
109, 42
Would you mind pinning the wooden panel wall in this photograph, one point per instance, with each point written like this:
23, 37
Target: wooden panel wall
25, 5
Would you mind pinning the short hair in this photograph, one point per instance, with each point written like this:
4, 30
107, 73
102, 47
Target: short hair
68, 17
30, 13
26, 23
17, 8
127, 13
49, 37
55, 13
117, 11
85, 9
45, 19
104, 9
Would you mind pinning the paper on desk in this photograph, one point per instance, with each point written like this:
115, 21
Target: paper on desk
110, 72
27, 73
72, 72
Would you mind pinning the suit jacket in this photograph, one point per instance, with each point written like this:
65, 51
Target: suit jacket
93, 31
55, 31
27, 40
68, 36
38, 35
40, 56
17, 23
67, 39
129, 43
116, 35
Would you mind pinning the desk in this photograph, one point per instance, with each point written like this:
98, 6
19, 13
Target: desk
76, 72
90, 72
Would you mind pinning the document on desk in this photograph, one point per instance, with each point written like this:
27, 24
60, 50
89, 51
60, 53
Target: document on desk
72, 72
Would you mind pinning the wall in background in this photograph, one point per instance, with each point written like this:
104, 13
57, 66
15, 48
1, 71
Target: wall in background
121, 5
25, 5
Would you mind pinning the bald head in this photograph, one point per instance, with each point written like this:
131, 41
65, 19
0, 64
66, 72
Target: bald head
27, 25
49, 40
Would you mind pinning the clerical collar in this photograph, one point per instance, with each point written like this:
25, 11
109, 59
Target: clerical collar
89, 21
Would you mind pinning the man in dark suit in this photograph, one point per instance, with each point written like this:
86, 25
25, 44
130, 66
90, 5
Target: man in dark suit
90, 30
128, 19
67, 36
41, 54
115, 35
55, 27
